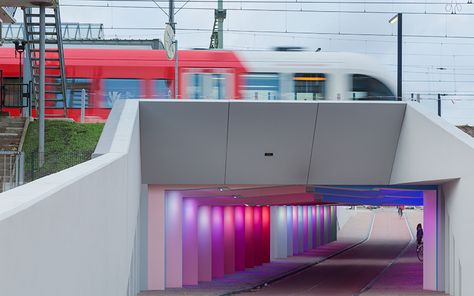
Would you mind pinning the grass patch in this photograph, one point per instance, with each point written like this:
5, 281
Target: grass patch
63, 137
66, 144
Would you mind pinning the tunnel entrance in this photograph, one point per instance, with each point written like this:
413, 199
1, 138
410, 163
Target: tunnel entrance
255, 236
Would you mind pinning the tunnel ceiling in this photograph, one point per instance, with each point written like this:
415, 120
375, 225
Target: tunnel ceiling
277, 143
307, 195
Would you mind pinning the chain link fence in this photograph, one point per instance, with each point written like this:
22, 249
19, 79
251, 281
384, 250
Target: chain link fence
53, 163
17, 168
11, 169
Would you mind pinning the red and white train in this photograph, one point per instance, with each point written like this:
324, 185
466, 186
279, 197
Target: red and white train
111, 74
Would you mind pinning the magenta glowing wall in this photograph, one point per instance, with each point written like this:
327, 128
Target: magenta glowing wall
229, 240
266, 234
295, 231
257, 236
239, 216
249, 238
204, 244
315, 230
190, 242
289, 230
217, 242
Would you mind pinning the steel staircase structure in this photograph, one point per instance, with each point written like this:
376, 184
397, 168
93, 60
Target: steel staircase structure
55, 72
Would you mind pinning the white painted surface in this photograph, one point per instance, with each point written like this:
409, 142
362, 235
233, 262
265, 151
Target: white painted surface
431, 151
73, 232
344, 213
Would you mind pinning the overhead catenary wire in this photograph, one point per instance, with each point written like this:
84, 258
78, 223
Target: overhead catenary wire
299, 10
336, 2
253, 31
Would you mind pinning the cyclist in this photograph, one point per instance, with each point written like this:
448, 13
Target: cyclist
419, 234
400, 211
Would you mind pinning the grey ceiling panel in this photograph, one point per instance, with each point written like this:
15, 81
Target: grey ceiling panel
355, 143
183, 142
270, 143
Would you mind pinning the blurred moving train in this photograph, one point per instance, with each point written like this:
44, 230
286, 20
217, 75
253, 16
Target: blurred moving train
110, 74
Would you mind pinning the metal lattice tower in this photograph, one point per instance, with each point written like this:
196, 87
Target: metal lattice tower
217, 35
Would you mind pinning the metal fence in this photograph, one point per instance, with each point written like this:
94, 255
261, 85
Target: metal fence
53, 163
11, 169
18, 168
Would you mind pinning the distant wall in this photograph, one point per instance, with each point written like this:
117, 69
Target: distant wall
73, 232
430, 151
344, 213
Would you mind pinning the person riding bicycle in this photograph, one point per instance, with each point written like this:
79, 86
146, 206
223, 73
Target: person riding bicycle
419, 234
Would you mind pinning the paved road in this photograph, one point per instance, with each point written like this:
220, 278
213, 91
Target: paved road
351, 271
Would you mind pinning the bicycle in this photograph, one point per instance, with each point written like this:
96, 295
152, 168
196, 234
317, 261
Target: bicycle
419, 251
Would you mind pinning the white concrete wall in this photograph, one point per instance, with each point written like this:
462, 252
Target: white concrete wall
431, 151
73, 233
344, 213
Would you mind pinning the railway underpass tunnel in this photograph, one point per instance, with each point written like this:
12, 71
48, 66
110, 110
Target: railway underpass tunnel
206, 162
211, 232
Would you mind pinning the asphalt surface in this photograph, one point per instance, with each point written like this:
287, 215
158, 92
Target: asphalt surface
352, 271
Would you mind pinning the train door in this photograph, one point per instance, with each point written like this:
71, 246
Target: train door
208, 84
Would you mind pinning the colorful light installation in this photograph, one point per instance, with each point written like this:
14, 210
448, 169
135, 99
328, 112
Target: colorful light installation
205, 242
239, 216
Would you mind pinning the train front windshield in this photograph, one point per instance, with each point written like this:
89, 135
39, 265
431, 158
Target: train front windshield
367, 88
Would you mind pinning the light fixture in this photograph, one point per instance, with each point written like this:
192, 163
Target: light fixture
394, 19
246, 205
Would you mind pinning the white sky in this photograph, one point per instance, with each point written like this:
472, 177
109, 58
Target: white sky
423, 56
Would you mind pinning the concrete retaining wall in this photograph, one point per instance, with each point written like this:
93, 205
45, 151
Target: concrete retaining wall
72, 233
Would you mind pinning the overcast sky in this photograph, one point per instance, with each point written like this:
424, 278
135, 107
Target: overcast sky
431, 64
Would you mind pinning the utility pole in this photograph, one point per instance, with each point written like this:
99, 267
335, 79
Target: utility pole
176, 59
42, 48
399, 57
398, 18
439, 105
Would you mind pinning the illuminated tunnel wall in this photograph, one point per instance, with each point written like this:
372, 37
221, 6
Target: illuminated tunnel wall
204, 242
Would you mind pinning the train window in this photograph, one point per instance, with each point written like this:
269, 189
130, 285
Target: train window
368, 88
162, 89
261, 86
195, 86
211, 86
309, 87
116, 89
74, 87
218, 82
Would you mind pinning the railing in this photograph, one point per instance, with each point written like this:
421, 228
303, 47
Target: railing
11, 169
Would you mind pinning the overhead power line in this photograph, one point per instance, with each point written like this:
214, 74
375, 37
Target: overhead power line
378, 3
303, 32
298, 10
